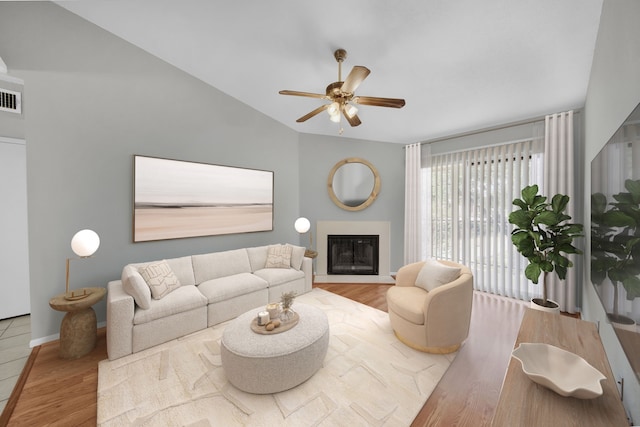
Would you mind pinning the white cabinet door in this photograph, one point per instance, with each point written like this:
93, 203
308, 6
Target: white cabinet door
14, 237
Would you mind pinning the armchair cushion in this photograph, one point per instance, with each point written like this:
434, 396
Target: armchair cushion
434, 274
408, 303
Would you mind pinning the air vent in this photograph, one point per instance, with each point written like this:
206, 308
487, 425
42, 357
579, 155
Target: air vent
10, 101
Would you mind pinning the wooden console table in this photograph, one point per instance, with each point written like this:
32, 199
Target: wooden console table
525, 403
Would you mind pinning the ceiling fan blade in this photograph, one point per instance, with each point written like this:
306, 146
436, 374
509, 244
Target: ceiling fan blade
313, 113
379, 102
308, 94
353, 120
355, 77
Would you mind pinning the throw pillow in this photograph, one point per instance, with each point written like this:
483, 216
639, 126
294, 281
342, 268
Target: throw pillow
160, 278
134, 285
434, 274
279, 256
297, 255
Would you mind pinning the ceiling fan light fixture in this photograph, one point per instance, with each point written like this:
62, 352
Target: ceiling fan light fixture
341, 95
350, 110
334, 109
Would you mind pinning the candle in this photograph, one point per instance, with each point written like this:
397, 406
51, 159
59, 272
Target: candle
263, 318
274, 310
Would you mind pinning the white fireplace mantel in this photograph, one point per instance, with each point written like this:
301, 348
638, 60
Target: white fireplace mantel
379, 228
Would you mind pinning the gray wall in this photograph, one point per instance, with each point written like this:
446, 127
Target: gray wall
318, 155
92, 101
11, 124
614, 91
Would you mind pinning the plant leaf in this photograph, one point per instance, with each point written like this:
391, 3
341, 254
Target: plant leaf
532, 272
559, 203
561, 272
617, 219
632, 286
529, 193
546, 266
520, 203
598, 204
520, 219
547, 218
574, 229
634, 188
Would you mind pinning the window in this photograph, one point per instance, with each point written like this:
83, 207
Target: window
469, 205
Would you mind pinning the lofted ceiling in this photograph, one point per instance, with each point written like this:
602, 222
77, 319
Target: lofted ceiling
460, 65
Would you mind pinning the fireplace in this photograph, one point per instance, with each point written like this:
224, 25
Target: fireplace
382, 229
352, 254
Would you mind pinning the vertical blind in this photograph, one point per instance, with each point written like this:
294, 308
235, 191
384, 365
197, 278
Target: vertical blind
471, 198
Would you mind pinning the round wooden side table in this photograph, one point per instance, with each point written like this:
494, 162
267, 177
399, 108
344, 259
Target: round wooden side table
78, 331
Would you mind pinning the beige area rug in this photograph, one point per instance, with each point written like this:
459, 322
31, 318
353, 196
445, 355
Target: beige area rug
368, 378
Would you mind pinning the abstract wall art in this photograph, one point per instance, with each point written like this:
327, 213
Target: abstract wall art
176, 199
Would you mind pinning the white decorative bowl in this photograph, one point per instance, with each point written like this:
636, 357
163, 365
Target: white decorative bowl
559, 370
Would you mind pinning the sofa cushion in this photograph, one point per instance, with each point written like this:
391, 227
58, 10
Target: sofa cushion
134, 285
224, 288
160, 278
183, 269
434, 274
257, 257
407, 302
277, 276
220, 264
183, 299
278, 256
297, 255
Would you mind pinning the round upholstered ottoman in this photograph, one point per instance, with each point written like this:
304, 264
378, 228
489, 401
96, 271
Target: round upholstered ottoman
265, 364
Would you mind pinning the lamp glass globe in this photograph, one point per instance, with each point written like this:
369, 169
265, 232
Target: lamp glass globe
302, 225
85, 243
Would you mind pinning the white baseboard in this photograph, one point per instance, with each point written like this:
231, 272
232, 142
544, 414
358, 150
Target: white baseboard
43, 340
353, 278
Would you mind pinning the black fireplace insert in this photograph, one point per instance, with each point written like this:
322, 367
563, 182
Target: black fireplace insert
352, 254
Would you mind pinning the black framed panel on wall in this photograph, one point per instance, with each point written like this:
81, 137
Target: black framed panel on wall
176, 199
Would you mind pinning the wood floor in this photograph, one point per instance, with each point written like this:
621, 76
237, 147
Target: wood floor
64, 393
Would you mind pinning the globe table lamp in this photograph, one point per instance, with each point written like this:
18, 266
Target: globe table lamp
302, 225
84, 244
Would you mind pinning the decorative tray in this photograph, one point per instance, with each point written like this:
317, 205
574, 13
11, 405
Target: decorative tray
559, 370
284, 326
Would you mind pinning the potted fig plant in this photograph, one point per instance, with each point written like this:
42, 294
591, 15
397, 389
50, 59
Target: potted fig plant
544, 236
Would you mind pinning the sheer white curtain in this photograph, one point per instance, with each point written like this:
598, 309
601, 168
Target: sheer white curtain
559, 173
471, 195
413, 205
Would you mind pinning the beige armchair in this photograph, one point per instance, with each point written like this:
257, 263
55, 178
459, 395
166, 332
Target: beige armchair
435, 321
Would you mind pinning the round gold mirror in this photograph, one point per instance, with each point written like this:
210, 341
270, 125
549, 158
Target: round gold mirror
353, 184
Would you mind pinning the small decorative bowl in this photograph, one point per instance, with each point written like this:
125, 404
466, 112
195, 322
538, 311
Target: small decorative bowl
559, 370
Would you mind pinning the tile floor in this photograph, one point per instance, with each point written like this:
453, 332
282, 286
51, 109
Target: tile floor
15, 334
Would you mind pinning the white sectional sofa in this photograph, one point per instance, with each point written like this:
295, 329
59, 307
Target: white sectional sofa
198, 291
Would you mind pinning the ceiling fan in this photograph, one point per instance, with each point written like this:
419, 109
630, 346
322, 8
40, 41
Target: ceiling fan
342, 95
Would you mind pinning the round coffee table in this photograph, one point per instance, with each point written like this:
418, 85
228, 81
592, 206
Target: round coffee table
264, 364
